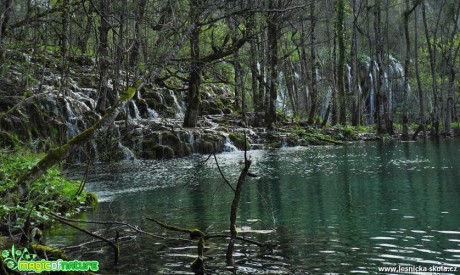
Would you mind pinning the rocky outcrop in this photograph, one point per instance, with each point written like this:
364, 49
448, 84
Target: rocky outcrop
150, 127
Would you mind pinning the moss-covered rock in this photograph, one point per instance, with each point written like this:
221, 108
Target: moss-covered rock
239, 141
91, 199
204, 147
162, 152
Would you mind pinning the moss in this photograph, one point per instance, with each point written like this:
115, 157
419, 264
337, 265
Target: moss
162, 152
91, 199
234, 231
44, 251
239, 140
292, 141
204, 147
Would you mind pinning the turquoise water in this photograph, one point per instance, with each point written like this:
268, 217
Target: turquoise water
339, 209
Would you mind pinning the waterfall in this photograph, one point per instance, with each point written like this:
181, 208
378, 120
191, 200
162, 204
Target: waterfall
179, 110
228, 146
133, 111
281, 97
127, 153
151, 113
371, 99
190, 139
284, 142
348, 69
325, 101
71, 121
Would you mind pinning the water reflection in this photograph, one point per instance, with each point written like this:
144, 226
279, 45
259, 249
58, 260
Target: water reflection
347, 209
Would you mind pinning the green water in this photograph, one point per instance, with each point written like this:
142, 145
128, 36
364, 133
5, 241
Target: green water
340, 209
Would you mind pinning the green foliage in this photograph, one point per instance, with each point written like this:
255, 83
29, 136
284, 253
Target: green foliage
51, 192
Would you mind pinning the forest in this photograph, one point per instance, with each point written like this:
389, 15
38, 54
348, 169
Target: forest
93, 89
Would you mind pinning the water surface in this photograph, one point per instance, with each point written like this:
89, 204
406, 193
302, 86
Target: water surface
340, 209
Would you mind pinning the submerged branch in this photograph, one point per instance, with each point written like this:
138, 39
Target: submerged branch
133, 227
116, 249
222, 174
194, 233
235, 203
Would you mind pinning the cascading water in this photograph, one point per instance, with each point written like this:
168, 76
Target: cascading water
228, 146
133, 110
179, 109
371, 98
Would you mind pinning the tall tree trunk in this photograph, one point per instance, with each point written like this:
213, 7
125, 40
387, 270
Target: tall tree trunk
314, 65
263, 98
421, 127
4, 22
239, 97
435, 114
356, 115
272, 29
253, 63
380, 71
450, 101
119, 42
65, 28
254, 76
103, 55
450, 61
134, 59
82, 40
405, 116
340, 8
194, 81
334, 104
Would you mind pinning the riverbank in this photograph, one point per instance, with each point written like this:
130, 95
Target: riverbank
23, 219
41, 109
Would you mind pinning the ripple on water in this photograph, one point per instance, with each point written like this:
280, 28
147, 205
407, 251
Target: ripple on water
383, 238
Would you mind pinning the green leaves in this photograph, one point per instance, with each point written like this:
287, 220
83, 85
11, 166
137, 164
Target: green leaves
51, 192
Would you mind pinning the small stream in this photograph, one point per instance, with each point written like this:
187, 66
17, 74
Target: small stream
339, 209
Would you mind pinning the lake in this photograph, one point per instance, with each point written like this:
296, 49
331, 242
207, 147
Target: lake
331, 209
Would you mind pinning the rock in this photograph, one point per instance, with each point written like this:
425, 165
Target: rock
158, 152
239, 141
204, 147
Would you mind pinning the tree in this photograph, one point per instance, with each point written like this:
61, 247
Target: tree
340, 9
314, 64
7, 5
405, 119
272, 51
